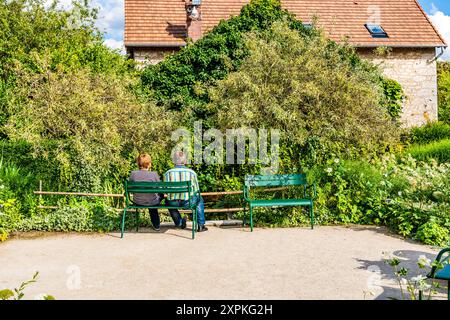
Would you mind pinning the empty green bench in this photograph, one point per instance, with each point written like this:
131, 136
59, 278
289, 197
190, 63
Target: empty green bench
158, 188
279, 180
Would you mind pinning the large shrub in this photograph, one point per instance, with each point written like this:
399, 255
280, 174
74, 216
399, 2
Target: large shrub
89, 123
308, 90
68, 39
181, 80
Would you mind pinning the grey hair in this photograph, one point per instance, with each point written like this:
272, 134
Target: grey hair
179, 158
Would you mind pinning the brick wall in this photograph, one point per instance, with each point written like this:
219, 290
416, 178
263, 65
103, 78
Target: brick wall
417, 75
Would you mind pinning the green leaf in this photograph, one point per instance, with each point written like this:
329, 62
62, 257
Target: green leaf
6, 294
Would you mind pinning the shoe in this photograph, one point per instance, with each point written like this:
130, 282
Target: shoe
156, 229
183, 223
202, 228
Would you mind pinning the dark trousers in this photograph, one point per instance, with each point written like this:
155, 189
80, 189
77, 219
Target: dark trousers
176, 216
154, 216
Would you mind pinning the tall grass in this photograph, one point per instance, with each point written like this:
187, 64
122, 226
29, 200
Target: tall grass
433, 131
438, 150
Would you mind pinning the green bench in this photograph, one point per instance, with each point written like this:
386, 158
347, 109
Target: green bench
157, 188
279, 180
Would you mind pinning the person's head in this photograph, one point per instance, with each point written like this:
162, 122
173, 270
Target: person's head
144, 161
179, 158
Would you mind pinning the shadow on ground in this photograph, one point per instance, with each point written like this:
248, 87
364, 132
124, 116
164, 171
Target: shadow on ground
383, 273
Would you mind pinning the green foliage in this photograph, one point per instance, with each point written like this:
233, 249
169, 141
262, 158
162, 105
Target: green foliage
88, 122
181, 79
418, 287
393, 97
444, 91
79, 216
67, 39
432, 131
433, 233
438, 150
322, 103
403, 194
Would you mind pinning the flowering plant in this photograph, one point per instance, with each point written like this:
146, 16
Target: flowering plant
418, 287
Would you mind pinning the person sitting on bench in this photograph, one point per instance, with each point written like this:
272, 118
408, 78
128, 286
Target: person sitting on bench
147, 199
182, 173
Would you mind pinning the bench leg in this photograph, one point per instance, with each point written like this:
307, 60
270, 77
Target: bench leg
245, 212
311, 213
194, 222
251, 218
448, 290
123, 222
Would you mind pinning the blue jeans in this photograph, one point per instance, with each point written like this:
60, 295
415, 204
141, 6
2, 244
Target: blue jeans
175, 214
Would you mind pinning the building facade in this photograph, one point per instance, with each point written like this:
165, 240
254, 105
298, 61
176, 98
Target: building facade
157, 28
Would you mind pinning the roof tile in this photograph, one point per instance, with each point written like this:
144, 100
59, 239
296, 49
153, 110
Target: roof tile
163, 22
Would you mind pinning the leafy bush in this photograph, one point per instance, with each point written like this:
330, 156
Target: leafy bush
444, 91
320, 101
89, 123
438, 150
432, 131
393, 97
433, 233
410, 197
182, 79
30, 31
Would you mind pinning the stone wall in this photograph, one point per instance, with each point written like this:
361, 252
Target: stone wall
150, 55
410, 67
413, 69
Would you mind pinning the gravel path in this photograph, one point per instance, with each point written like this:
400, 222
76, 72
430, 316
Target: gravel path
222, 263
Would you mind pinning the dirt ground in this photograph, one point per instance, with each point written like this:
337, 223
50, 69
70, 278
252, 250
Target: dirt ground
222, 263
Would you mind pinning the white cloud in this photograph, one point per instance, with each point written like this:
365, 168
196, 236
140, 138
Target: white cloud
110, 18
442, 22
115, 44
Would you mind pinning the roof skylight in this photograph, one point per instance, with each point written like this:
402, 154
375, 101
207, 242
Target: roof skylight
376, 31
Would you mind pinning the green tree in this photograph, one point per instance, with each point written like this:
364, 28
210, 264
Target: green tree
305, 88
67, 38
90, 123
182, 79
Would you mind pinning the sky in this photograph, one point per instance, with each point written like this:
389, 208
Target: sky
111, 19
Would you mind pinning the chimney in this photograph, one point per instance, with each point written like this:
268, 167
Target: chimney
194, 19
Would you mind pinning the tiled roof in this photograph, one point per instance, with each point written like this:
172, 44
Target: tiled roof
163, 22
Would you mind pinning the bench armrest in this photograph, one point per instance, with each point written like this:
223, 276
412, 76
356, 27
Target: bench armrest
314, 190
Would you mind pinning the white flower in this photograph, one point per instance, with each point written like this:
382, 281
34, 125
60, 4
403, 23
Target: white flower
336, 160
423, 261
418, 279
329, 170
423, 286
